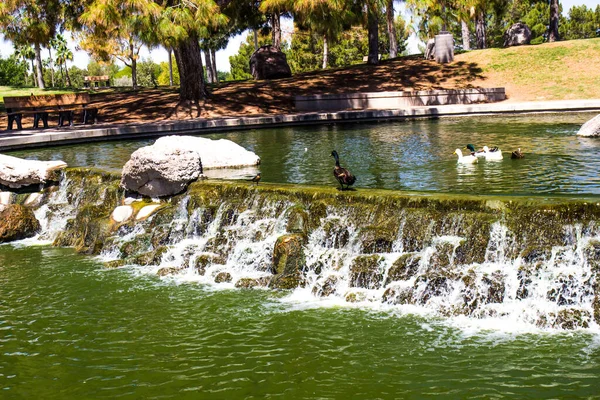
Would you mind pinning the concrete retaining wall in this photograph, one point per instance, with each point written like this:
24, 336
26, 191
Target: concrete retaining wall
395, 100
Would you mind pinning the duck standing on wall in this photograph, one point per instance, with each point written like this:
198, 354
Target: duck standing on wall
469, 159
256, 179
343, 176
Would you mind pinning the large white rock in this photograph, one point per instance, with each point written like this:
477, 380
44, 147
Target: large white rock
172, 162
17, 172
590, 128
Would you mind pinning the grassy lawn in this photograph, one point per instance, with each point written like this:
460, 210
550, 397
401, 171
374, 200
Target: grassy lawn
549, 71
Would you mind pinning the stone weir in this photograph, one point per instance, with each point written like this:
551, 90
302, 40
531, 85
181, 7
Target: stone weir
455, 256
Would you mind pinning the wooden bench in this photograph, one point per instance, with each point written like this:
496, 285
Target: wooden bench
65, 105
94, 81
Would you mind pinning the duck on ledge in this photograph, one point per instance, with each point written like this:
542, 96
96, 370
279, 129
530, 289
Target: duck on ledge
469, 159
343, 176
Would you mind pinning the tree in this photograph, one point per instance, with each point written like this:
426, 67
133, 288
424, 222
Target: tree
63, 54
274, 9
184, 23
30, 22
11, 71
115, 28
240, 62
391, 30
553, 28
325, 18
26, 53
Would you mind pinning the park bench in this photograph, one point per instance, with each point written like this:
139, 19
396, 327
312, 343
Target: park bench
40, 106
95, 81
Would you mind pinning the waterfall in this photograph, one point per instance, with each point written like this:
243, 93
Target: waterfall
521, 263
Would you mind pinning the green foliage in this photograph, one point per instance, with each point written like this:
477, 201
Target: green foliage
147, 73
348, 48
163, 76
12, 71
582, 23
76, 75
240, 62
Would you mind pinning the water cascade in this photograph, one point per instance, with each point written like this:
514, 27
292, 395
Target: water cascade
507, 259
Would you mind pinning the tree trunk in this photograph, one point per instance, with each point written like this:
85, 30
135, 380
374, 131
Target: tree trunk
51, 66
34, 76
466, 35
373, 28
276, 28
26, 74
325, 52
67, 74
38, 62
134, 84
389, 12
255, 39
480, 30
214, 65
169, 52
189, 61
208, 63
553, 28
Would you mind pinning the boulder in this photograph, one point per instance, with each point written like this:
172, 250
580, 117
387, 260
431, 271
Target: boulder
430, 50
17, 172
172, 162
517, 35
269, 63
17, 222
288, 261
590, 128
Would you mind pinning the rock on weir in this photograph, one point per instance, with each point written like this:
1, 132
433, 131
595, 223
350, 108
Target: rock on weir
591, 128
17, 172
172, 162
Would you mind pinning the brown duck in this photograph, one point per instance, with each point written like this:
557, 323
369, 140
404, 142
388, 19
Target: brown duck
343, 176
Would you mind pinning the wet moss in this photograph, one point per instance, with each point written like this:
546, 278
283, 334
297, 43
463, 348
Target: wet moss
166, 271
205, 260
355, 297
367, 272
326, 288
17, 222
297, 219
251, 283
141, 243
115, 264
404, 268
376, 240
398, 296
150, 258
287, 282
288, 254
223, 277
336, 234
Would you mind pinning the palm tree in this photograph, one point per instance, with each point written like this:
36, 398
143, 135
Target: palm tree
64, 54
26, 53
327, 19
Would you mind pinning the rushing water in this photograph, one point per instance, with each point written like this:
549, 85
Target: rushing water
411, 155
71, 329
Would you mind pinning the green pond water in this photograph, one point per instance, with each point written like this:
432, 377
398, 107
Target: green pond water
69, 329
410, 155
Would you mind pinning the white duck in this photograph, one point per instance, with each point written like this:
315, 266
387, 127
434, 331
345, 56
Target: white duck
470, 159
493, 154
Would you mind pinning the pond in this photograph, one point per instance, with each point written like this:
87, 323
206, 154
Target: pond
71, 330
411, 155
